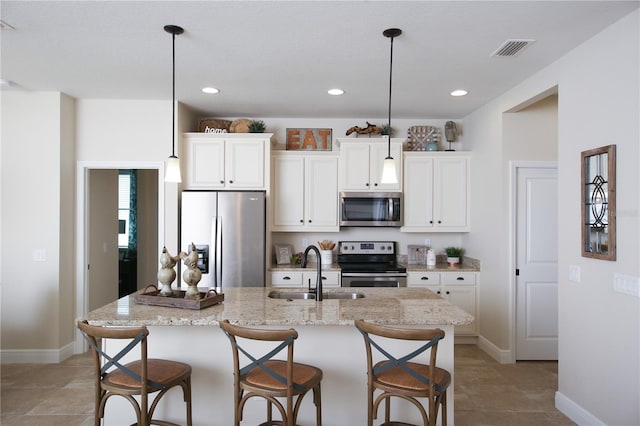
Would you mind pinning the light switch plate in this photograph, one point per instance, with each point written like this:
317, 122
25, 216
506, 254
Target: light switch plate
574, 273
40, 255
626, 284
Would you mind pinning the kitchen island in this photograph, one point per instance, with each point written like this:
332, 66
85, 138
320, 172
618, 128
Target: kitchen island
327, 339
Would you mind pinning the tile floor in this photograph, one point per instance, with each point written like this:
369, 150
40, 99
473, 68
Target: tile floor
487, 393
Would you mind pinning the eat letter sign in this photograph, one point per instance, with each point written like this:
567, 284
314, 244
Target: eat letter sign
309, 139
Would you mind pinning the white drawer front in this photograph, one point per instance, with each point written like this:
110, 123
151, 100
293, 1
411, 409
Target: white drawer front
286, 278
423, 279
329, 278
458, 278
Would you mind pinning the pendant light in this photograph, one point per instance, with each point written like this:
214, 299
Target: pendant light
389, 174
172, 173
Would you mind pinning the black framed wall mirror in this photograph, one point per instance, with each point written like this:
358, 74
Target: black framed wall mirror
598, 204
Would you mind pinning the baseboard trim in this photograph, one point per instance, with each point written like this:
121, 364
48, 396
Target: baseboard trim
575, 412
36, 356
503, 356
465, 340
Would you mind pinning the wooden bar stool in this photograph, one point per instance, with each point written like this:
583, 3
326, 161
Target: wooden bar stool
141, 377
269, 378
398, 377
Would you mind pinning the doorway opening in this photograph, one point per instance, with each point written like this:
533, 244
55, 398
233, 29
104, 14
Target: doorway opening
116, 253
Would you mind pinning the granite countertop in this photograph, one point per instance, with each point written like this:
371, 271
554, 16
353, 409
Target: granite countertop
250, 306
311, 266
440, 267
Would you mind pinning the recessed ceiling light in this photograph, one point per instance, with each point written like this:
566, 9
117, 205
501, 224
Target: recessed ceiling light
210, 90
459, 92
335, 92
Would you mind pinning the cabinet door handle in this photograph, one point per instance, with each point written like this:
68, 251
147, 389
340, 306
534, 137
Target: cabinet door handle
286, 278
324, 278
460, 278
424, 278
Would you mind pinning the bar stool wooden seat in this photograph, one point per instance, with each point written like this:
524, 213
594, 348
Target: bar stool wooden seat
141, 377
399, 377
269, 378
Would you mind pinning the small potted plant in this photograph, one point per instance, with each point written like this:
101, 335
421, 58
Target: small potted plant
453, 255
385, 130
256, 126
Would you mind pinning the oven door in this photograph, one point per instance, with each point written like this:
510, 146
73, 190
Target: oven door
378, 279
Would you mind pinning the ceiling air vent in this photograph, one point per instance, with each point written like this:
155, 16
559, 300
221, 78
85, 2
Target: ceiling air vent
512, 47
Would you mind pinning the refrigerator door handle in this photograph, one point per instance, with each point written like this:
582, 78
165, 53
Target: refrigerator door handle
218, 279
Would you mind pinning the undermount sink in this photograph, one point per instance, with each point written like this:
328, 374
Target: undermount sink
306, 295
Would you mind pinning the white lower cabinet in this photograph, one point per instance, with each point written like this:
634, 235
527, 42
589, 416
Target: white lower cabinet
301, 278
459, 288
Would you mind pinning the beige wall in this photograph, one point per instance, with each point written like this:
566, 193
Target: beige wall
598, 104
37, 215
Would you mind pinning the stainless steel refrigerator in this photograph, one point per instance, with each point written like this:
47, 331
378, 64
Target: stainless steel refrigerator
228, 230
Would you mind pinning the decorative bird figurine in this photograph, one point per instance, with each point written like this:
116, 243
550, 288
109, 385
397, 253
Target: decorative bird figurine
166, 274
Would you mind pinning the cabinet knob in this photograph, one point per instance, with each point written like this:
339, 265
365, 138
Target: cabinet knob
375, 184
424, 278
439, 221
430, 221
438, 292
309, 220
301, 221
448, 292
221, 181
230, 181
366, 184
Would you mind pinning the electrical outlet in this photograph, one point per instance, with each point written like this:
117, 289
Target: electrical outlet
427, 242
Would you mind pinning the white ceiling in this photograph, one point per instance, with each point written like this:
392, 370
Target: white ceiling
279, 58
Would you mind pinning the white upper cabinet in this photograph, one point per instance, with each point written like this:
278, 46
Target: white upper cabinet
305, 192
226, 160
436, 192
361, 163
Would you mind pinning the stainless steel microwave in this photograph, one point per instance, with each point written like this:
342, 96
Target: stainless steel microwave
371, 209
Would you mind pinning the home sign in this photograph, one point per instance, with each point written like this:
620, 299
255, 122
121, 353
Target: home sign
309, 139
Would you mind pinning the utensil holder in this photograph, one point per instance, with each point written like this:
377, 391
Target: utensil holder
326, 257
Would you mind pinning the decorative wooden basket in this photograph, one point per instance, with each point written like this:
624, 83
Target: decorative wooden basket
150, 295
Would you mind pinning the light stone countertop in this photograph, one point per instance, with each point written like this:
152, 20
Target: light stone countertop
468, 265
250, 306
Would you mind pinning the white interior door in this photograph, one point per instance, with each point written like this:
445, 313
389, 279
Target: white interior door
537, 264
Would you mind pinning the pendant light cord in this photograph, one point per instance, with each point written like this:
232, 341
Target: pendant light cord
389, 118
173, 100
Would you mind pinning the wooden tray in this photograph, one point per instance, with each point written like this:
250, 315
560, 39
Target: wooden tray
150, 295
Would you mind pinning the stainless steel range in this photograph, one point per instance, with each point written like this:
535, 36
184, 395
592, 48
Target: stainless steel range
370, 264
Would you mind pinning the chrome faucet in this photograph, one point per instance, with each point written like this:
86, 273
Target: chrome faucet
303, 264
